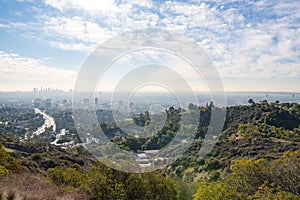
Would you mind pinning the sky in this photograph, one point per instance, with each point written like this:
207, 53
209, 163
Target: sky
254, 44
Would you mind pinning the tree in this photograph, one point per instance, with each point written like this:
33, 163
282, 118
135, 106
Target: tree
7, 163
192, 106
259, 179
215, 191
271, 193
101, 182
250, 101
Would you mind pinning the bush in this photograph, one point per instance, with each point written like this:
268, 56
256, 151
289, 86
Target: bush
65, 176
7, 163
101, 182
215, 191
259, 179
271, 193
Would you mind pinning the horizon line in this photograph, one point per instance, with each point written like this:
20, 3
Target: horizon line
225, 91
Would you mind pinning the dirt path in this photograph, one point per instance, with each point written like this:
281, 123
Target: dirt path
8, 149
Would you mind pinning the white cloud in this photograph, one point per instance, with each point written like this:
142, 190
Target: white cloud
244, 38
264, 44
15, 25
74, 33
79, 33
269, 48
23, 73
96, 7
190, 16
91, 6
78, 46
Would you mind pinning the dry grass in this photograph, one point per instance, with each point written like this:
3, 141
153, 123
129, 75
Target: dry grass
31, 187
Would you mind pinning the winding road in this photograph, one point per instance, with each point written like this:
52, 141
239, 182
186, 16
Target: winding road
49, 122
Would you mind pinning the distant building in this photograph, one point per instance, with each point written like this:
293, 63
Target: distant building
48, 103
37, 103
86, 101
96, 101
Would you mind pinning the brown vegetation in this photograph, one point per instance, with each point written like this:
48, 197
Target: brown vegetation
28, 186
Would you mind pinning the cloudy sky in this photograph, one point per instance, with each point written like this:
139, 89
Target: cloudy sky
254, 44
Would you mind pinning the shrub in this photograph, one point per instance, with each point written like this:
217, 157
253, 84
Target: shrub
8, 163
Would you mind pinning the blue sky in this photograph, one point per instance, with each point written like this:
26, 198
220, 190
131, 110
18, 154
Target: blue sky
255, 44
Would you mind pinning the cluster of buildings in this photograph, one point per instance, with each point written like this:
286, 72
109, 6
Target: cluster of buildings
47, 89
39, 103
48, 104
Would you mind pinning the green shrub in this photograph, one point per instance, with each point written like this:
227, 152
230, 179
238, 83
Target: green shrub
101, 182
65, 176
259, 179
7, 163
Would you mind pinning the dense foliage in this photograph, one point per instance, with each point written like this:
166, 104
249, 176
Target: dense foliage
257, 179
247, 134
101, 182
7, 163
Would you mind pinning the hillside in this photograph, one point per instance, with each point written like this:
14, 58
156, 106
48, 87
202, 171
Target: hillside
262, 130
259, 138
